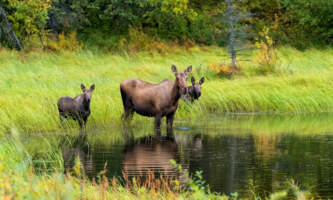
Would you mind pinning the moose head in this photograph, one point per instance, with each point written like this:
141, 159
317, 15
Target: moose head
195, 89
181, 78
87, 93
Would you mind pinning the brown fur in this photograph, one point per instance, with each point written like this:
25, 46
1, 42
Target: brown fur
154, 100
194, 91
77, 108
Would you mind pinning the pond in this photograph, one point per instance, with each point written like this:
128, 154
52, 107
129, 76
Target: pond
231, 150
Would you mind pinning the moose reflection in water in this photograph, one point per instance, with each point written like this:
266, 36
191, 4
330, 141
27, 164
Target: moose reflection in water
136, 157
74, 147
154, 100
224, 160
151, 153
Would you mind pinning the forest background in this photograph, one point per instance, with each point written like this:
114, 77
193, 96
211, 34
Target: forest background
113, 25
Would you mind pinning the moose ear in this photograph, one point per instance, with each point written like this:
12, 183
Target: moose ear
202, 80
83, 88
92, 87
174, 68
193, 80
188, 70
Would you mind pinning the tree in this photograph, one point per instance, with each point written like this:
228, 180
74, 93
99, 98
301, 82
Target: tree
5, 25
237, 31
231, 22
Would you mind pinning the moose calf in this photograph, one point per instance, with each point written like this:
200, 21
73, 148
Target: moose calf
194, 91
77, 108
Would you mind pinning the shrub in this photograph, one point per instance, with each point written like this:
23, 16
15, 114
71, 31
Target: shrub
64, 42
266, 57
222, 69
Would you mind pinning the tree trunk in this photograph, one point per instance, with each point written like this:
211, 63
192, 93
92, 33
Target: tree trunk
232, 33
9, 30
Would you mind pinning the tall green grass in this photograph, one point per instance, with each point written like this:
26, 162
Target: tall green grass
31, 84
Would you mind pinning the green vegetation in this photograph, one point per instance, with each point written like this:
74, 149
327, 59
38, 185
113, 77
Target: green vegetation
300, 23
32, 83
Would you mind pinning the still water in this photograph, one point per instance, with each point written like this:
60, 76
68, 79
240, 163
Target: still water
231, 151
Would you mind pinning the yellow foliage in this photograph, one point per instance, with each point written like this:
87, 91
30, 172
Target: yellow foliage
224, 69
78, 168
212, 65
64, 42
122, 43
178, 7
266, 57
275, 24
221, 69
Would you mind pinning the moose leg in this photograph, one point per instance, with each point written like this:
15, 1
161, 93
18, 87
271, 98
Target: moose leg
85, 119
80, 120
157, 124
128, 107
127, 114
170, 118
62, 116
78, 116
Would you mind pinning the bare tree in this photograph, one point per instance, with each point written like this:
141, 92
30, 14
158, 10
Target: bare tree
231, 21
237, 32
6, 27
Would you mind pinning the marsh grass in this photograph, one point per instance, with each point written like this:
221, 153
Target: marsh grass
31, 84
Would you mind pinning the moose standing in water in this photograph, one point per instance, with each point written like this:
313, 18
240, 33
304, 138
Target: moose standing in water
77, 108
154, 100
194, 91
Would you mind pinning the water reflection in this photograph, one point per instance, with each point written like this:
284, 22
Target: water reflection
224, 161
150, 153
77, 147
134, 157
228, 157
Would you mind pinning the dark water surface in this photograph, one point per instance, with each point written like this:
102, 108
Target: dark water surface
231, 151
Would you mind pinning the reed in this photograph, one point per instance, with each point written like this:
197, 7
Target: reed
31, 84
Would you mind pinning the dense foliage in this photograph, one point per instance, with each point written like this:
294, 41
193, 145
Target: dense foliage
301, 23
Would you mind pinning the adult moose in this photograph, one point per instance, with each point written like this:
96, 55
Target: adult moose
154, 100
78, 108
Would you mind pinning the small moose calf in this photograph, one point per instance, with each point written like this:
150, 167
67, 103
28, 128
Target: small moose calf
194, 91
78, 108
